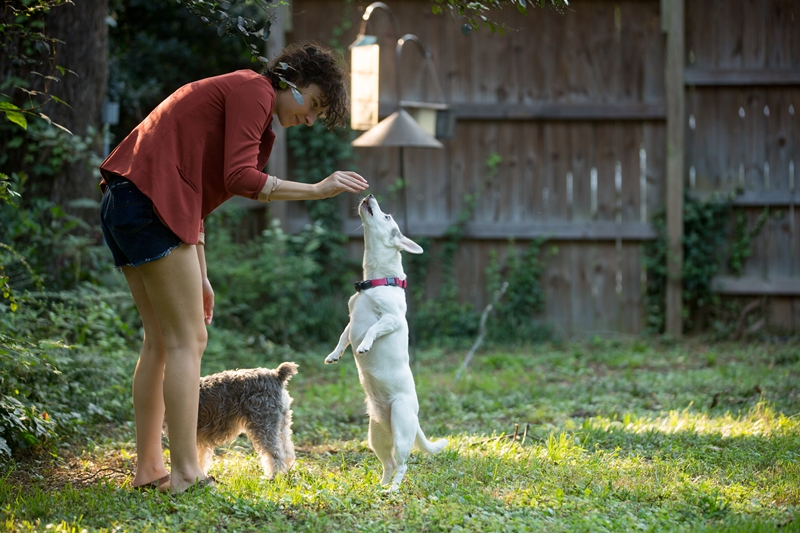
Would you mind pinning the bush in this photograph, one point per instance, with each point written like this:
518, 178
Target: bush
61, 249
270, 286
516, 315
65, 361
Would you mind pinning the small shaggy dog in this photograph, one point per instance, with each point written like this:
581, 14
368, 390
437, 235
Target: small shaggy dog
251, 401
379, 333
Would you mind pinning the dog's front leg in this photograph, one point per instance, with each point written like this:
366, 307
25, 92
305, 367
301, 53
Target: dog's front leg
344, 342
387, 324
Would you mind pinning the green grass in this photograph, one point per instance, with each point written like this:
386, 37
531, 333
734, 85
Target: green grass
621, 436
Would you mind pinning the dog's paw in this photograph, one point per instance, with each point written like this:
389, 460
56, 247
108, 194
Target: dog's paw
364, 347
332, 358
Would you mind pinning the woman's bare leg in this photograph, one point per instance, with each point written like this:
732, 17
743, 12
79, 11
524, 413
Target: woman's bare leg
148, 387
174, 288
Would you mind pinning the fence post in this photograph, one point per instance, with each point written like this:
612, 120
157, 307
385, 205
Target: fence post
672, 12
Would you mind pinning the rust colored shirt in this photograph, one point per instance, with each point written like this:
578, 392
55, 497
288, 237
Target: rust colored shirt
205, 143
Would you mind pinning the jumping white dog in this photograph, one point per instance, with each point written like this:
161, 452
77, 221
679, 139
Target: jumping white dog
379, 329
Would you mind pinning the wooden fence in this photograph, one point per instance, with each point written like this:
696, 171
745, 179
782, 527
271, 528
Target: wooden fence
574, 108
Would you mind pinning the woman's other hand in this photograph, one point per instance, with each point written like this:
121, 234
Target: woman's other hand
208, 301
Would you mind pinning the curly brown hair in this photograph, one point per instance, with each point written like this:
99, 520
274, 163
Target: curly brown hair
307, 63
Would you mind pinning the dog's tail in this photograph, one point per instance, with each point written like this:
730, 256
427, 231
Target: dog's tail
423, 444
286, 371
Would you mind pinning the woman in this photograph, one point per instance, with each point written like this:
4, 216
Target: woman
205, 143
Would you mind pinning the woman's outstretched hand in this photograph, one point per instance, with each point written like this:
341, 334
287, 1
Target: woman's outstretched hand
339, 182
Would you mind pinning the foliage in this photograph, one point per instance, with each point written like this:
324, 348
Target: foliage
230, 20
61, 367
316, 153
28, 48
707, 248
46, 243
8, 196
703, 236
514, 317
270, 285
51, 385
478, 14
46, 152
475, 15
155, 47
618, 436
741, 244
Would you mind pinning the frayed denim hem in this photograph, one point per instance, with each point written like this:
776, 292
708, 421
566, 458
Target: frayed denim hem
159, 256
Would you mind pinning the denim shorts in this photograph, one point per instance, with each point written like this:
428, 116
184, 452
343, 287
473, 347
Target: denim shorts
131, 226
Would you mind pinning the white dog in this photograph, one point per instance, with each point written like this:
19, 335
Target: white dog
379, 329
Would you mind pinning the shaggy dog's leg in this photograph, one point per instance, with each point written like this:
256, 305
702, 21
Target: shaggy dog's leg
205, 453
344, 342
288, 448
404, 430
380, 440
269, 447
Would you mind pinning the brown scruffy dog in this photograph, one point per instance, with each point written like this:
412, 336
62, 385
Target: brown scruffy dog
251, 401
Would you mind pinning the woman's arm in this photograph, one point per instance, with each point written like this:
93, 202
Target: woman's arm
338, 182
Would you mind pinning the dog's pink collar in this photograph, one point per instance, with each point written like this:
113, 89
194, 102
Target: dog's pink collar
368, 284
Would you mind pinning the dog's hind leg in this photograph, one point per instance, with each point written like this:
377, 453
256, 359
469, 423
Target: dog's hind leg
380, 440
404, 430
285, 441
344, 342
269, 448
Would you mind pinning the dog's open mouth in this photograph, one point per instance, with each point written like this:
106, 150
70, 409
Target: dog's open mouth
365, 205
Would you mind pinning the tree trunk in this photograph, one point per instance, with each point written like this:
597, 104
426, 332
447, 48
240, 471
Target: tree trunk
84, 52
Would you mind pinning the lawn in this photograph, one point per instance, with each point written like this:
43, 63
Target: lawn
625, 435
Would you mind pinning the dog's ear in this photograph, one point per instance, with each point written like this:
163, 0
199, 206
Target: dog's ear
409, 246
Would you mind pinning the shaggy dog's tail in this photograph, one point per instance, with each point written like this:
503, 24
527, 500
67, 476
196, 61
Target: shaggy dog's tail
286, 371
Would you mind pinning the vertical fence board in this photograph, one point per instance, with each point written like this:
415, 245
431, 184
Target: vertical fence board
558, 285
557, 166
581, 160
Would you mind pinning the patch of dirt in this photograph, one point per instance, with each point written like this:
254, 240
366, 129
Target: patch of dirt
54, 473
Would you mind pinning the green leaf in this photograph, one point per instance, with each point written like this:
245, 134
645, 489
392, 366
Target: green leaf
17, 118
60, 101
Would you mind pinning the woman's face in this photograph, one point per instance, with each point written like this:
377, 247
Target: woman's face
290, 113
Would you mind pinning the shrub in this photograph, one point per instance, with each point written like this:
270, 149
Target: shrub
62, 249
270, 285
65, 361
